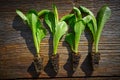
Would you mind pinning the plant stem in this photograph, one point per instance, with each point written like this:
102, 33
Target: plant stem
77, 39
35, 42
96, 42
96, 46
55, 44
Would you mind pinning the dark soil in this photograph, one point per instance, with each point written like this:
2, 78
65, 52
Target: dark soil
55, 62
75, 60
95, 59
38, 63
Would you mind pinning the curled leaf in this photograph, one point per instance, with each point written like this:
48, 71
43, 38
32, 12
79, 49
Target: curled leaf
77, 13
86, 10
50, 21
43, 12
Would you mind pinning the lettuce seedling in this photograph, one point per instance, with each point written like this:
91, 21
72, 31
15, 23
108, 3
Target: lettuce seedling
96, 26
77, 26
58, 29
38, 32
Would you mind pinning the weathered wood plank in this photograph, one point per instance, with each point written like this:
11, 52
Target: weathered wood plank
17, 48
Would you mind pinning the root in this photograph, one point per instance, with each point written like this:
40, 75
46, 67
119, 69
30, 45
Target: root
95, 60
75, 60
38, 63
55, 62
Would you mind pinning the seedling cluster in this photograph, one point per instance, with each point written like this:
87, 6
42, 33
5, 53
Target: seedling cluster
74, 21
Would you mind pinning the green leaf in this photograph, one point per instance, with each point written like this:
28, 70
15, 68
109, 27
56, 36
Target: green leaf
90, 26
21, 15
77, 13
71, 22
70, 39
70, 19
85, 10
55, 11
34, 23
34, 30
29, 17
50, 21
88, 20
102, 16
43, 12
78, 28
41, 32
66, 17
60, 29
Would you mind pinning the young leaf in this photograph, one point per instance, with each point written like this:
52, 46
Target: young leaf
41, 32
102, 17
55, 13
21, 15
60, 30
77, 13
89, 23
71, 22
34, 23
70, 40
50, 21
29, 17
43, 12
34, 30
85, 10
78, 28
87, 19
66, 17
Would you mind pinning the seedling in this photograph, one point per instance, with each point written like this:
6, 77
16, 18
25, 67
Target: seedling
58, 29
77, 26
96, 26
38, 33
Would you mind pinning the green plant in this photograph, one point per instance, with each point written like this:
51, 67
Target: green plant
96, 25
77, 26
57, 28
38, 32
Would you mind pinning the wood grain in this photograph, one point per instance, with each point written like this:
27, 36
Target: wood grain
17, 48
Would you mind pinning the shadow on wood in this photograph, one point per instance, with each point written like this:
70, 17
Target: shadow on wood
86, 66
32, 71
25, 32
49, 70
68, 65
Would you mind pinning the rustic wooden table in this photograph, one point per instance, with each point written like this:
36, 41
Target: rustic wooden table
17, 49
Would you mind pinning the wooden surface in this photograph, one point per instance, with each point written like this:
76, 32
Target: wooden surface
17, 49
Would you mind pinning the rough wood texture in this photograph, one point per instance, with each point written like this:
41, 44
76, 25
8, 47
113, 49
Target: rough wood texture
17, 49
